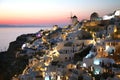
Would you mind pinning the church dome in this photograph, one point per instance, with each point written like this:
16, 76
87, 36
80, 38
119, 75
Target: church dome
94, 16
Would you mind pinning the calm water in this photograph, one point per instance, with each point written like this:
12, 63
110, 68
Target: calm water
10, 34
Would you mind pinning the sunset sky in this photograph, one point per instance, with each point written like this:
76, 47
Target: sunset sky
52, 11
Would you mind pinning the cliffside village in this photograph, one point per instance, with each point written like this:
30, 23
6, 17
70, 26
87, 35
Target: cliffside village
83, 50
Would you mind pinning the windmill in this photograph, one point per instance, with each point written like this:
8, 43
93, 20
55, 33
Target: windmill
71, 15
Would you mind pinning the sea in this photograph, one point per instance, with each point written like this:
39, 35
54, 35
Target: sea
9, 34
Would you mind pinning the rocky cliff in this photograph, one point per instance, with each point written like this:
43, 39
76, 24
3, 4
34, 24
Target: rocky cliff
9, 63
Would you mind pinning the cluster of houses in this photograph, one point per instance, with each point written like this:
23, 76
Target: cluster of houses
60, 45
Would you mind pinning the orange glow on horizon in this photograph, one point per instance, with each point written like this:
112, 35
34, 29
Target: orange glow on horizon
33, 21
52, 11
48, 19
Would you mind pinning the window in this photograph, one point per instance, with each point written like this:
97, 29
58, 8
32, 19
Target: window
109, 28
98, 49
69, 58
73, 50
66, 51
65, 58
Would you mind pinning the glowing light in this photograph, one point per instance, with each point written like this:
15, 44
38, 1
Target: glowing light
106, 47
115, 29
96, 62
23, 46
118, 76
97, 71
110, 49
84, 64
47, 78
58, 78
38, 35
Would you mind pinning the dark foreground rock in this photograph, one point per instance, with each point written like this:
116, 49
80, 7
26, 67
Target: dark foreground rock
11, 65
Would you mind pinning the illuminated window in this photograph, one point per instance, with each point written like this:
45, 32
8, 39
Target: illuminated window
84, 64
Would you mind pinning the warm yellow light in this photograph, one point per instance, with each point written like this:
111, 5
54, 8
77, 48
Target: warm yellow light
115, 29
118, 76
67, 78
106, 47
93, 34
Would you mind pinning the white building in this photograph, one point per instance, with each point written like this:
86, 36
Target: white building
110, 16
67, 49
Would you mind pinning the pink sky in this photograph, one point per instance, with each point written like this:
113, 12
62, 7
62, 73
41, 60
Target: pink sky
52, 11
